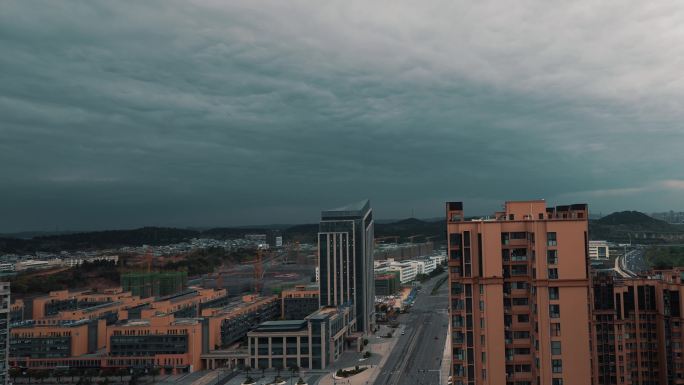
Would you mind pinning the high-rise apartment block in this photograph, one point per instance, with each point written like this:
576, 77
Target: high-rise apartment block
4, 331
345, 258
637, 326
519, 293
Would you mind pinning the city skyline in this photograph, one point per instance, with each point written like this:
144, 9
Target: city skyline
121, 115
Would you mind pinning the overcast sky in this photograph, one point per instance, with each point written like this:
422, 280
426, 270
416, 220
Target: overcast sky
118, 114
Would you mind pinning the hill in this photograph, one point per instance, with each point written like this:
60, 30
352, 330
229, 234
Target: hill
305, 233
624, 226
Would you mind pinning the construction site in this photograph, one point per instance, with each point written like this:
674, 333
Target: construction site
270, 272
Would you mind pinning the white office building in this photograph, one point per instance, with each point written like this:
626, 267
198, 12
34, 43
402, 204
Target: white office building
599, 250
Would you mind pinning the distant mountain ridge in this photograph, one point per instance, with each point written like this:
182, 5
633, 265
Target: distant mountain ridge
614, 227
167, 235
622, 226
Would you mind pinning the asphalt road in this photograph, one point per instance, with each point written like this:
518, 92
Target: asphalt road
635, 260
632, 263
416, 358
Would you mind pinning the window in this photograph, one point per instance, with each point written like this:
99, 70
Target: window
552, 257
520, 302
523, 318
555, 348
555, 329
551, 239
554, 293
557, 381
554, 311
553, 273
557, 366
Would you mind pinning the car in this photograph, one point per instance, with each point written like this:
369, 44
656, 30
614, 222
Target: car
403, 332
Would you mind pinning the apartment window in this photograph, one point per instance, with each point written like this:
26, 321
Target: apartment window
554, 311
553, 273
554, 293
551, 239
520, 302
555, 329
552, 257
557, 366
555, 348
557, 381
523, 318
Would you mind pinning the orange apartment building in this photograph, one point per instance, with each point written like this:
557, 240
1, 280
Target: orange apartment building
637, 326
519, 295
174, 333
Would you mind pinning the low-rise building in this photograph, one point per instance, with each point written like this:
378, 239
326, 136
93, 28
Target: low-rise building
387, 284
599, 250
231, 323
312, 343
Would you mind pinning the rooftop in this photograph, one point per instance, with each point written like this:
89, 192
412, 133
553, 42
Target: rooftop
281, 326
357, 209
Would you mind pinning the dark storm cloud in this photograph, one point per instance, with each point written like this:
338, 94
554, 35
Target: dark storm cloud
119, 114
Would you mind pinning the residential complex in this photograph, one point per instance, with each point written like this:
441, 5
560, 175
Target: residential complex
177, 333
519, 297
345, 255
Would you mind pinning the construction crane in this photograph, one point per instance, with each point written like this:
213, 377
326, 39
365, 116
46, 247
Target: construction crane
380, 239
258, 271
301, 260
148, 259
412, 237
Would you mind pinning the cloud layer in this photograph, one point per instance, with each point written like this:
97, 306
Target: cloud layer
119, 114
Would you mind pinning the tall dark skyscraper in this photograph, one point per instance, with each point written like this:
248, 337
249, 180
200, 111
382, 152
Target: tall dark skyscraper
345, 256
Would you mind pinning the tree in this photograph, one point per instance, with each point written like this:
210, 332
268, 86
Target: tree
155, 372
73, 372
41, 375
366, 354
59, 373
14, 373
121, 372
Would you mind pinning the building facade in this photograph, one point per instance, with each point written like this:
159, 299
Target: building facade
637, 326
599, 250
154, 283
519, 295
312, 343
299, 302
387, 284
5, 311
345, 255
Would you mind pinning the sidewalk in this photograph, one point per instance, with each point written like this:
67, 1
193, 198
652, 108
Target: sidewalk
380, 349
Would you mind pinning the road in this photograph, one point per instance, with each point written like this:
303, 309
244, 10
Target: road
632, 263
417, 356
